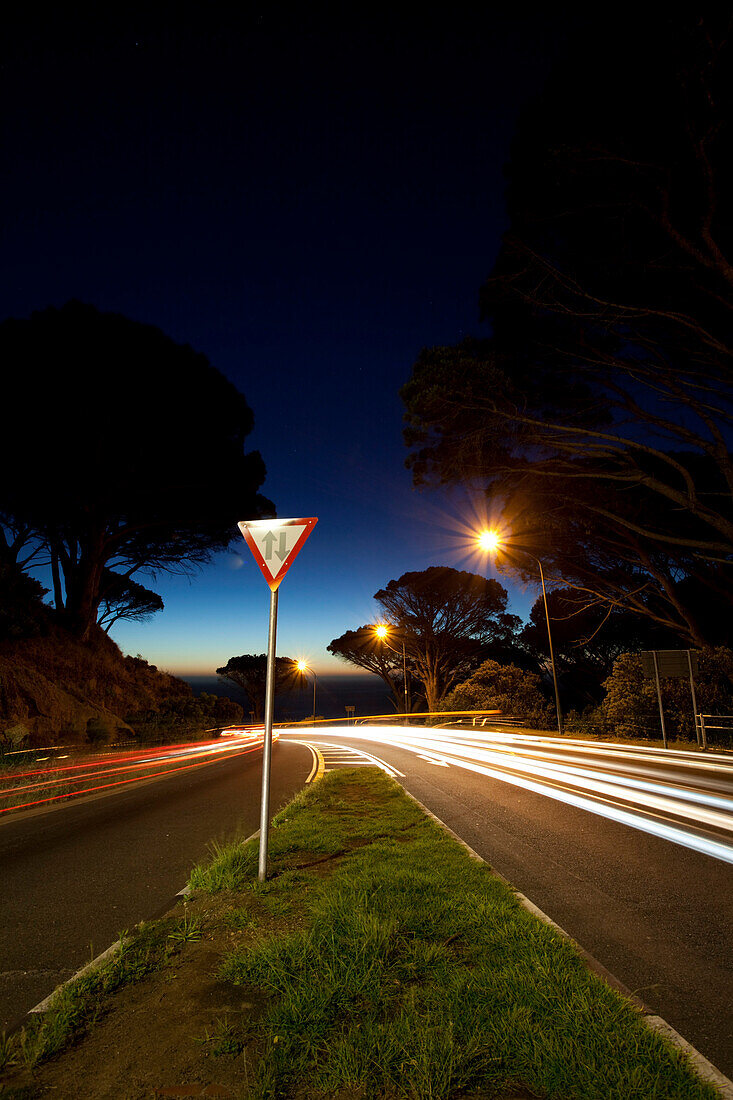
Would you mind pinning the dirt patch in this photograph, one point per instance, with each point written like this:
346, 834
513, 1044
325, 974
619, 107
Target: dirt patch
173, 1029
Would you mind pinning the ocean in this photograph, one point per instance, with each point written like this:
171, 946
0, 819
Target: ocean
367, 694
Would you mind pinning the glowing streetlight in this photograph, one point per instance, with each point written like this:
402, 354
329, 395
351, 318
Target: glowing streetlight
382, 633
304, 668
492, 542
489, 540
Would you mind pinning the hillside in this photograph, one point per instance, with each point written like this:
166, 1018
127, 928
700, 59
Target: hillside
55, 689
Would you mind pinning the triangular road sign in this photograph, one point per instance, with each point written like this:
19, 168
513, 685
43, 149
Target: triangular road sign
276, 543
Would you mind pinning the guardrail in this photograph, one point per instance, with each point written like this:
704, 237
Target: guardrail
705, 722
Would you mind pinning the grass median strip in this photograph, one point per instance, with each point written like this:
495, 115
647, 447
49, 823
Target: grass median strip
380, 960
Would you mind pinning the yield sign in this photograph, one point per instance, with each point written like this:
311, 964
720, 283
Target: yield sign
275, 544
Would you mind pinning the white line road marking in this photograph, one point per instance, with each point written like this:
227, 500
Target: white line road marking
360, 752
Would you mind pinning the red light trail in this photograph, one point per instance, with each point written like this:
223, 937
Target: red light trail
236, 742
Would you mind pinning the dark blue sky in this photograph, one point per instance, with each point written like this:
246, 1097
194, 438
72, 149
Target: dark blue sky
308, 205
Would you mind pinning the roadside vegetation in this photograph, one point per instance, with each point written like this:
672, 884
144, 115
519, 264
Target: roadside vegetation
58, 690
461, 650
506, 688
378, 960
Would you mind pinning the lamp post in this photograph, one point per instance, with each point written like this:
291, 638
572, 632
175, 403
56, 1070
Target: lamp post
491, 542
381, 631
304, 668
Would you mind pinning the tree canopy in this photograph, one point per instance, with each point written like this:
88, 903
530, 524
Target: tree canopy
127, 454
631, 705
123, 598
586, 641
22, 612
362, 648
599, 410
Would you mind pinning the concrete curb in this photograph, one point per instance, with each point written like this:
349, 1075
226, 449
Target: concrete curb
183, 895
705, 1069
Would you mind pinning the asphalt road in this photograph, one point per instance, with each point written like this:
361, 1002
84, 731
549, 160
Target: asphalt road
72, 878
657, 914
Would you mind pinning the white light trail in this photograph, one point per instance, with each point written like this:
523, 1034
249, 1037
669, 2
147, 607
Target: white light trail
632, 788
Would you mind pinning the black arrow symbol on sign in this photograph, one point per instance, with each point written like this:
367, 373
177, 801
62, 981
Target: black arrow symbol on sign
269, 542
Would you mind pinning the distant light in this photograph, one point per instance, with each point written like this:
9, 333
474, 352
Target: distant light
381, 631
489, 540
301, 666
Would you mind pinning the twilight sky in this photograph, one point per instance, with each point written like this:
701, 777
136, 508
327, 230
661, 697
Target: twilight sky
308, 205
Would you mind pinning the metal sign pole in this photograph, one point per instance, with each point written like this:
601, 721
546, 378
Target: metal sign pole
275, 543
659, 697
552, 655
267, 746
694, 697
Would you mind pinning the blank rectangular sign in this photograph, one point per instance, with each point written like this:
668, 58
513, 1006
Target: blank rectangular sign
672, 663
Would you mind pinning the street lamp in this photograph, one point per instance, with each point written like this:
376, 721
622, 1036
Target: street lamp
303, 667
491, 542
381, 631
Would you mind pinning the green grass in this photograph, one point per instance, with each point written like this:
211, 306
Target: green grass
186, 930
418, 974
223, 1039
239, 919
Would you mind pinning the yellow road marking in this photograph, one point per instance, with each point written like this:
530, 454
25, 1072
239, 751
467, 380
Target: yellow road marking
318, 761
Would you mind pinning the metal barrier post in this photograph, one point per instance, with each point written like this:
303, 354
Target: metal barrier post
659, 697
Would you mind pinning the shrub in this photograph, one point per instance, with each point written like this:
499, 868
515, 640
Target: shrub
505, 688
185, 715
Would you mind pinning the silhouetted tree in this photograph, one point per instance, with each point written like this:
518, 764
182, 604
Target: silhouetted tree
249, 672
587, 639
22, 612
446, 617
127, 452
600, 411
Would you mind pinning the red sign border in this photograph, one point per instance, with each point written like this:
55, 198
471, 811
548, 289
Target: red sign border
245, 525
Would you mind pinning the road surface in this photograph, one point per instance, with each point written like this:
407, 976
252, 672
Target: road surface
75, 876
